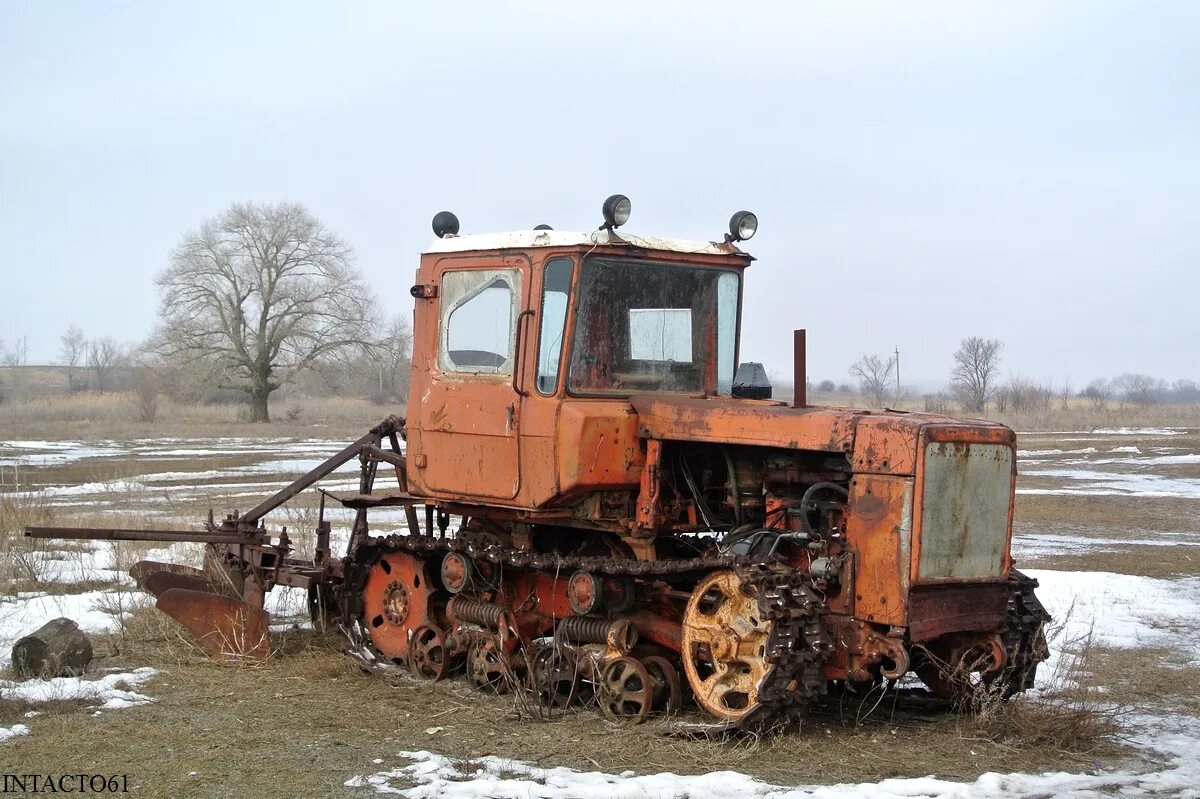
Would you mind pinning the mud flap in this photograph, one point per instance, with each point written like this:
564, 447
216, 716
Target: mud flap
227, 628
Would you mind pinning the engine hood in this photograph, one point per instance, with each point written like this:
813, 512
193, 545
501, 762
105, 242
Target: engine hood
882, 442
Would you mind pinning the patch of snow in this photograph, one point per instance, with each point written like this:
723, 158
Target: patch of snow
1132, 450
113, 691
1042, 453
1121, 610
1025, 544
431, 775
21, 615
13, 732
296, 465
1140, 431
1138, 485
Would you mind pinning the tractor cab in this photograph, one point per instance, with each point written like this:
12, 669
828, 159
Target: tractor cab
516, 335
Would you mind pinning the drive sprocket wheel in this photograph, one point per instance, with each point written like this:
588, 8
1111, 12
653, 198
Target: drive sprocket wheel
397, 600
724, 646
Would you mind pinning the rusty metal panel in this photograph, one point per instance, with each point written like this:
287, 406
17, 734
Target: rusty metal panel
967, 488
878, 528
755, 422
227, 628
886, 444
936, 610
598, 446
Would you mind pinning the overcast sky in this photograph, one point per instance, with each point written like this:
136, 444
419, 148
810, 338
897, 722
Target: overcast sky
921, 171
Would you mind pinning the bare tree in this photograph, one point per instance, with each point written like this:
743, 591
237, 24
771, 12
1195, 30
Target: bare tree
13, 356
260, 294
1184, 390
104, 357
1099, 392
937, 403
73, 349
874, 375
1020, 394
973, 377
395, 354
1138, 389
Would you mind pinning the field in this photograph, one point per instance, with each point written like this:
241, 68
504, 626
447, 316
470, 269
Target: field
1108, 519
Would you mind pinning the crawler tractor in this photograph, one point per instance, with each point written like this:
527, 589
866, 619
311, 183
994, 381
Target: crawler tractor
599, 501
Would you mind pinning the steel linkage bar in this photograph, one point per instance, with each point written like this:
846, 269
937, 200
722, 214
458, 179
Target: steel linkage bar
120, 534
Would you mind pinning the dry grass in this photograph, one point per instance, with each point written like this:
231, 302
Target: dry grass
20, 556
118, 415
312, 720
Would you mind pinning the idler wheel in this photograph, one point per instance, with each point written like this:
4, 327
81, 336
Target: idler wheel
585, 592
626, 690
458, 572
668, 693
427, 655
724, 646
487, 667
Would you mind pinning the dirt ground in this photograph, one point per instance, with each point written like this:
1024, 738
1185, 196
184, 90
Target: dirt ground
308, 720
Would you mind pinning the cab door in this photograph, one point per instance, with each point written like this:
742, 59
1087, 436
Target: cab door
466, 440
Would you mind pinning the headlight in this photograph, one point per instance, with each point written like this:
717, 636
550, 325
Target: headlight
616, 211
445, 224
742, 225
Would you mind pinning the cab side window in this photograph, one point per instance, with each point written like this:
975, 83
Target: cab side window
478, 324
556, 291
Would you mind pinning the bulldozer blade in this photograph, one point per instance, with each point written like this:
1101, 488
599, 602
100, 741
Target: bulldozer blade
227, 628
144, 568
156, 583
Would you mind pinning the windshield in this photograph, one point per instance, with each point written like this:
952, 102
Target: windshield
643, 327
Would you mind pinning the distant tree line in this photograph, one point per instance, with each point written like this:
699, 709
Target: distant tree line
975, 385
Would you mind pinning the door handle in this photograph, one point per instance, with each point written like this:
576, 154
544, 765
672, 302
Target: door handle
516, 377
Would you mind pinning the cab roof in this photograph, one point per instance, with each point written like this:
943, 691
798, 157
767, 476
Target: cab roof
527, 239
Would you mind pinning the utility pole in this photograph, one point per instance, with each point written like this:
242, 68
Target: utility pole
897, 375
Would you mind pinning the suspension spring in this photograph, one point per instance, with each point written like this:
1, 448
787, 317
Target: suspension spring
618, 633
488, 614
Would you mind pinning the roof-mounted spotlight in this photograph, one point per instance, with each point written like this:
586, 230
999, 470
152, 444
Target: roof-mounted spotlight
742, 225
616, 211
445, 224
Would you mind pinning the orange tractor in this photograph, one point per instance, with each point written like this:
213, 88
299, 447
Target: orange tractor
601, 503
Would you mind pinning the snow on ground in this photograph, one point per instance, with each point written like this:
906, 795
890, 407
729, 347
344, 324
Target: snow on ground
1120, 610
1030, 545
12, 732
23, 464
1121, 471
112, 691
93, 611
429, 775
1095, 482
1043, 453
